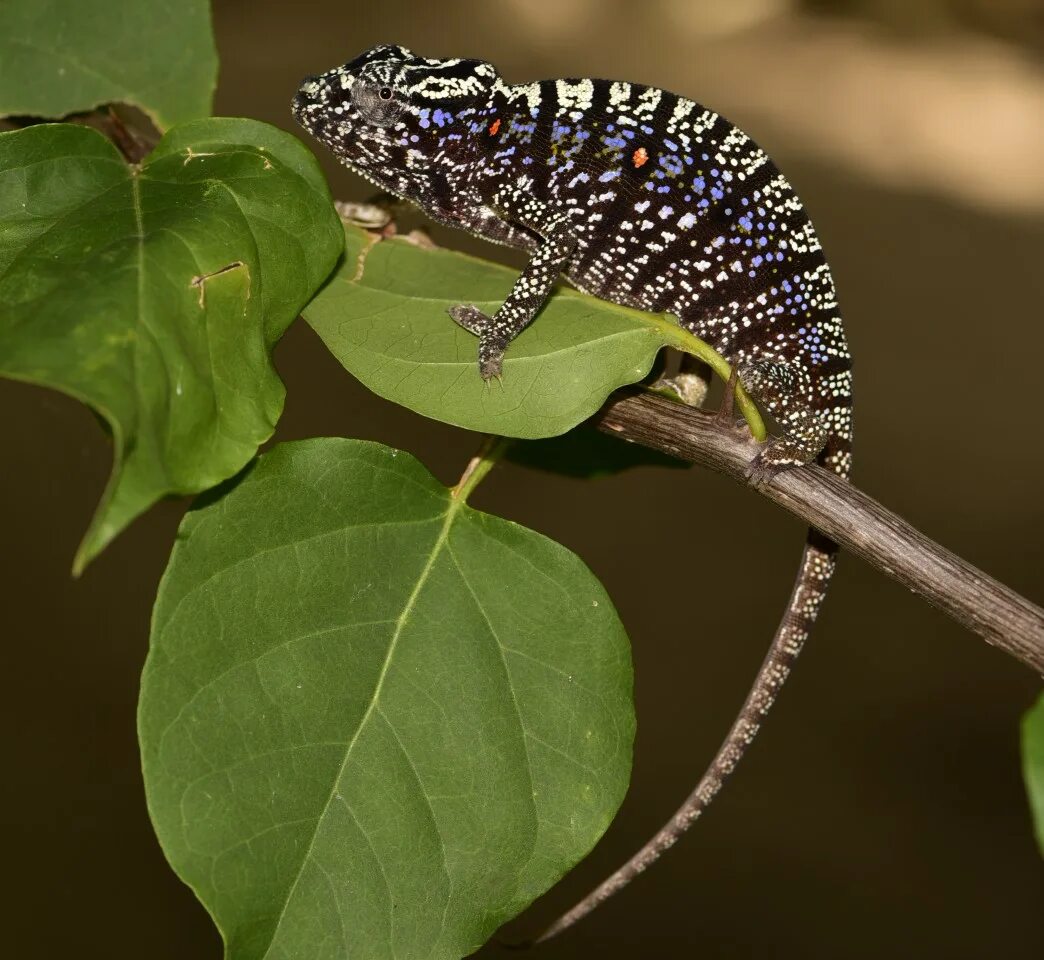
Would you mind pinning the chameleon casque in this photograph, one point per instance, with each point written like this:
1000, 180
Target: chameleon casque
642, 198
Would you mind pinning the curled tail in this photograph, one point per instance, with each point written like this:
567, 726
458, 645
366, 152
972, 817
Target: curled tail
806, 597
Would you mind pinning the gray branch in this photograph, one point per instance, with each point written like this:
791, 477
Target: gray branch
845, 514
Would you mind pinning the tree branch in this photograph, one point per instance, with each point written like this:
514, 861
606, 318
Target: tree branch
845, 514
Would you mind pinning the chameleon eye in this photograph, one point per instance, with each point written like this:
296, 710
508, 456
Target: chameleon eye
385, 93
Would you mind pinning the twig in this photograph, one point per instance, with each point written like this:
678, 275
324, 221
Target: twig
845, 514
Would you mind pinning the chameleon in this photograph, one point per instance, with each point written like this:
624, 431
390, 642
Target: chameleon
642, 198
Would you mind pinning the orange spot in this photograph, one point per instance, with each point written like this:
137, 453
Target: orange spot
494, 127
640, 156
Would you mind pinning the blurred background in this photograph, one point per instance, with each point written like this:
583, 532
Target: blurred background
881, 812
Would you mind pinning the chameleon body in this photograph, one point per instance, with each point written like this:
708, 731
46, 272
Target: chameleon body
642, 198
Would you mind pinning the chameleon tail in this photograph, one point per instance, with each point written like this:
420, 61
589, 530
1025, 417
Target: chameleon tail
810, 587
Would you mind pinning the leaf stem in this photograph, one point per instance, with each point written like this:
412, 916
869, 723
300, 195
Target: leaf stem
489, 452
681, 339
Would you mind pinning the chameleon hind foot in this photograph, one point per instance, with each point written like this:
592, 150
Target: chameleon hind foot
776, 456
689, 388
491, 347
690, 384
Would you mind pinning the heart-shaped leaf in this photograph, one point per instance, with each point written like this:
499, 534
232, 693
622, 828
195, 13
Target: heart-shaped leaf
383, 315
62, 56
374, 721
155, 294
1033, 765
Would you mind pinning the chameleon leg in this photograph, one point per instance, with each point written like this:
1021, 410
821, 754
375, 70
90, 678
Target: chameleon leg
691, 383
786, 391
527, 296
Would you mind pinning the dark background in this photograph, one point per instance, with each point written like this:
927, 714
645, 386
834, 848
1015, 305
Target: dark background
881, 811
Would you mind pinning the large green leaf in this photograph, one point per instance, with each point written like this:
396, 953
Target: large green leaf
62, 56
1033, 765
375, 722
383, 315
155, 294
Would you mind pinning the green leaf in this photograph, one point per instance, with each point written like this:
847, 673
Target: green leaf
383, 315
1033, 765
586, 452
375, 722
156, 294
63, 56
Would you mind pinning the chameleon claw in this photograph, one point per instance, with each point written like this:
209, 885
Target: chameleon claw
759, 474
770, 462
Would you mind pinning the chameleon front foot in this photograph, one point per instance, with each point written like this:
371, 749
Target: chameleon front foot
491, 347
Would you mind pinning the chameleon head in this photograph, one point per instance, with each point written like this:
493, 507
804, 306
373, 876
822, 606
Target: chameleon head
388, 114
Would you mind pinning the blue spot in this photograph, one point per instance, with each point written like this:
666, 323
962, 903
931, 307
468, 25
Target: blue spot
614, 142
645, 129
628, 133
787, 287
672, 164
664, 189
699, 184
670, 145
610, 127
608, 175
703, 204
757, 261
715, 172
745, 222
717, 193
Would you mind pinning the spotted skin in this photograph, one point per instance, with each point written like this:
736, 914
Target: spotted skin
641, 198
